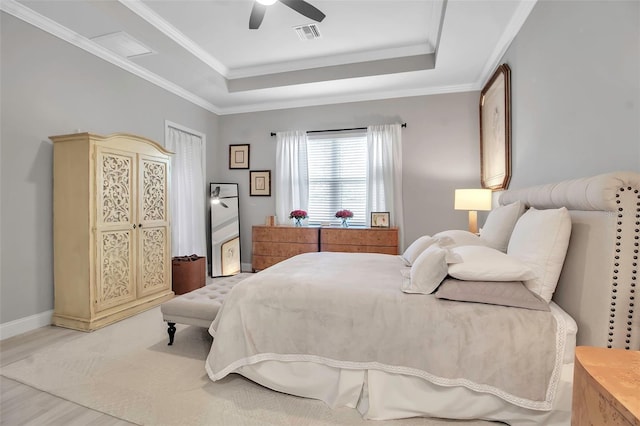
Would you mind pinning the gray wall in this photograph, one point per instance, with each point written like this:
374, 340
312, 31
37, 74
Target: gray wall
50, 87
575, 68
440, 153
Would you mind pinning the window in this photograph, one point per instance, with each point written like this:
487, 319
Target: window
337, 176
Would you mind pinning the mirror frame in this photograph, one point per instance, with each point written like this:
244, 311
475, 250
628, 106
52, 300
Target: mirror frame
228, 194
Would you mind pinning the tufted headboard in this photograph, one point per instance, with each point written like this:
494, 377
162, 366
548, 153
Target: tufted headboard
599, 284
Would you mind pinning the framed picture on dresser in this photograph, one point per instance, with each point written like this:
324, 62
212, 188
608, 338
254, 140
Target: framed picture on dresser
380, 219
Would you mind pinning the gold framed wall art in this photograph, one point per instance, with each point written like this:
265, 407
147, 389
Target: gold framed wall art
495, 130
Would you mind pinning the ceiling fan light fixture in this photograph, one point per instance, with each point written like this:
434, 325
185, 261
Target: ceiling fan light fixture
267, 2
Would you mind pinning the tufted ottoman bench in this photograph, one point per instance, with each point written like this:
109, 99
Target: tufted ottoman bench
198, 307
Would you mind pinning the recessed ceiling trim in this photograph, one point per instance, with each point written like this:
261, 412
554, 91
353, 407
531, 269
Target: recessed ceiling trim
363, 97
143, 11
326, 61
332, 73
29, 16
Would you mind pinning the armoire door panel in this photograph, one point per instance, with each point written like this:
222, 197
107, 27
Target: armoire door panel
115, 188
153, 177
153, 217
115, 282
154, 259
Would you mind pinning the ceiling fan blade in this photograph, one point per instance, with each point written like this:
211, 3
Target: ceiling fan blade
257, 15
304, 8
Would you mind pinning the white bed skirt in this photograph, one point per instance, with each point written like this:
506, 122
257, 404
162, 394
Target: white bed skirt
383, 396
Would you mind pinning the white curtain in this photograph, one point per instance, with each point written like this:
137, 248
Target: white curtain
188, 193
384, 174
291, 177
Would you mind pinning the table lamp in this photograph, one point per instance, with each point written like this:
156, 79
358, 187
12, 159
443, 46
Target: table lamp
473, 200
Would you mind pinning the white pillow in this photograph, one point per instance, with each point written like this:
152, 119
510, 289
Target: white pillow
540, 239
499, 225
481, 263
416, 248
427, 272
457, 237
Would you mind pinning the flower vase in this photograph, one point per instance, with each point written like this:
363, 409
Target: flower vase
298, 221
345, 222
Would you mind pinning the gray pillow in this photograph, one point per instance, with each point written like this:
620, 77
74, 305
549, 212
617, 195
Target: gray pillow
503, 293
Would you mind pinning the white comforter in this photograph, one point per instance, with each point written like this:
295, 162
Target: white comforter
346, 310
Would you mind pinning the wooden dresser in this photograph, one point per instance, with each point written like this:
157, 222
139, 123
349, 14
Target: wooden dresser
359, 240
606, 387
273, 244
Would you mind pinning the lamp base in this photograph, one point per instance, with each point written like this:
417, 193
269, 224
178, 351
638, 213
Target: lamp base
473, 221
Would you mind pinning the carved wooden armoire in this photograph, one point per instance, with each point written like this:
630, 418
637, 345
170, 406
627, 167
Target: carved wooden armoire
112, 242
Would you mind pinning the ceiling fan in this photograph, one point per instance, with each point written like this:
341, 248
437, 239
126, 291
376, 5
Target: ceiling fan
300, 6
216, 198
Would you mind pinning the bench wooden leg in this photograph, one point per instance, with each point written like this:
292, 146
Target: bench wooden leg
172, 332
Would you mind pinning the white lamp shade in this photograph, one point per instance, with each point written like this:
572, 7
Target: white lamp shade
472, 199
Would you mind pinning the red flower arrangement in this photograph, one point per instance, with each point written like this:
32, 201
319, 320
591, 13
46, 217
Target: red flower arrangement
344, 214
298, 214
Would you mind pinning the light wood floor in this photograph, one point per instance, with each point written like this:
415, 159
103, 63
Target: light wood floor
23, 405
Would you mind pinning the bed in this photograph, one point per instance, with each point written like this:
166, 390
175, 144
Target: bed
380, 334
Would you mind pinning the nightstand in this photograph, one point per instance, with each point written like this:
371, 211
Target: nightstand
606, 387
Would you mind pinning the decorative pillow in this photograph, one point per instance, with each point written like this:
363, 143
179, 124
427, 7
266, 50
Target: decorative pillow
416, 248
427, 272
499, 225
457, 237
540, 240
481, 263
503, 293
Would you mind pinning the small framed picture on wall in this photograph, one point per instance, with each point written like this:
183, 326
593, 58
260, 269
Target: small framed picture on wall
238, 156
260, 183
379, 219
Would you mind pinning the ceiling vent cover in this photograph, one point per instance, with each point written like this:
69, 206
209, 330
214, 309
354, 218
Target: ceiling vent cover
307, 32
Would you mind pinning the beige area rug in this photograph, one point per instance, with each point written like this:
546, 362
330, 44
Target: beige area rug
127, 370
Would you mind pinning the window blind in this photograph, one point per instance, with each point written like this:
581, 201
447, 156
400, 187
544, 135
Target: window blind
337, 176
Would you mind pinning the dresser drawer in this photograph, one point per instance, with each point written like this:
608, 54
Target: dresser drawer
359, 249
367, 240
268, 248
285, 234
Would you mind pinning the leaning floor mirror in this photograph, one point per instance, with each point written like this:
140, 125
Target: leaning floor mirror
225, 229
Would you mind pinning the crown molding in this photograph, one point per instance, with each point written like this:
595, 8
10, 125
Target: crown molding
143, 11
29, 16
511, 31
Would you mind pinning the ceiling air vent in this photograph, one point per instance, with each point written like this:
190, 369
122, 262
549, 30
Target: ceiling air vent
307, 32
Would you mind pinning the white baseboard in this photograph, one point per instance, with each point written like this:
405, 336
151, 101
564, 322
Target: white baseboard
22, 325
